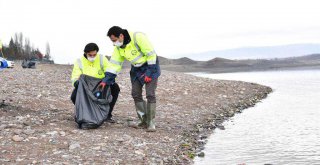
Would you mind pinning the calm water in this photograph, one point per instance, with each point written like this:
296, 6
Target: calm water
283, 129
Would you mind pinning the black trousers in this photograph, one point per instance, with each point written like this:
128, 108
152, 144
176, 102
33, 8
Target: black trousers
115, 90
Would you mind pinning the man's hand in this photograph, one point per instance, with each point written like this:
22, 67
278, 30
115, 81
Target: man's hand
147, 79
102, 85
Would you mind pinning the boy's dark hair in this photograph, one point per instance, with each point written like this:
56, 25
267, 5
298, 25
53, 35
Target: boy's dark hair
115, 30
91, 47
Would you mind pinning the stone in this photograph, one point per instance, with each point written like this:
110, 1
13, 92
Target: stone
29, 131
3, 126
139, 152
17, 138
66, 156
96, 148
62, 133
74, 146
17, 131
52, 133
201, 154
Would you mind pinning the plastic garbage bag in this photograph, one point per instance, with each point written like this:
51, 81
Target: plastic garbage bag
91, 110
28, 64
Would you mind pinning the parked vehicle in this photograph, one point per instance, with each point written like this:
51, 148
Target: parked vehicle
10, 64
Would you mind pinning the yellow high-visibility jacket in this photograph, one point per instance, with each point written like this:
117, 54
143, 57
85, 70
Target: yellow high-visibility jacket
139, 51
96, 69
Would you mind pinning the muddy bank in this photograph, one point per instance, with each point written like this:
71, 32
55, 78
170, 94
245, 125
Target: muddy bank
36, 119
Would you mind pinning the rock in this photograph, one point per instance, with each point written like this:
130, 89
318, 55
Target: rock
66, 156
74, 131
74, 146
3, 126
96, 148
201, 154
221, 127
17, 138
62, 133
139, 152
27, 123
29, 131
19, 159
53, 141
17, 131
52, 133
230, 113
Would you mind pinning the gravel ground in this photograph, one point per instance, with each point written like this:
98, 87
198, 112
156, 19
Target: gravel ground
37, 125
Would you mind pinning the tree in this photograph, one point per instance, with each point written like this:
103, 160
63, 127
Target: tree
47, 56
20, 48
27, 47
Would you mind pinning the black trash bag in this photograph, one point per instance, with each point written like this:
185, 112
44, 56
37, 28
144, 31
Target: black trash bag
28, 64
91, 111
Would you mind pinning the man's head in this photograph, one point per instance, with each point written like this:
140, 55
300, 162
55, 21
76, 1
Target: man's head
116, 35
91, 51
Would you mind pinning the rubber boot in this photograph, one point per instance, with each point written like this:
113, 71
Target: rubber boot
151, 112
141, 112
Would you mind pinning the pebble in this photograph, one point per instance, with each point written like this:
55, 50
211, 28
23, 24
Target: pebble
74, 146
3, 126
201, 154
62, 133
66, 156
52, 133
139, 152
17, 131
97, 148
29, 131
17, 138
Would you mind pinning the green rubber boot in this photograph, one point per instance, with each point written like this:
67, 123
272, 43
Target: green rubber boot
141, 112
151, 113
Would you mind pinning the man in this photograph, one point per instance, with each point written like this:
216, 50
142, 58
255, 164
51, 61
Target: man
145, 70
89, 64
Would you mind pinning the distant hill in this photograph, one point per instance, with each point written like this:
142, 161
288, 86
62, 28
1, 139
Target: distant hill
265, 52
222, 65
180, 61
222, 62
218, 65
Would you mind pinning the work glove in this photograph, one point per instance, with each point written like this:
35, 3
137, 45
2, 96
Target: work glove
147, 79
101, 86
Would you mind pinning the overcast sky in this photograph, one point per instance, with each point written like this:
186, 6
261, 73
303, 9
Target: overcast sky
174, 27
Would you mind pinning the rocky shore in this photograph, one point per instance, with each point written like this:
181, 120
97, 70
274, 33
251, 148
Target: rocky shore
37, 125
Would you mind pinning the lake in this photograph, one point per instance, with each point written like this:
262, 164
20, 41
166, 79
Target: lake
284, 128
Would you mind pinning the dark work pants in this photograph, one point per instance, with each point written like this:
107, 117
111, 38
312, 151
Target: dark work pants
150, 91
115, 90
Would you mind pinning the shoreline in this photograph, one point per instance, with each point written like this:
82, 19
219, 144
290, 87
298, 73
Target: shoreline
199, 135
37, 108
